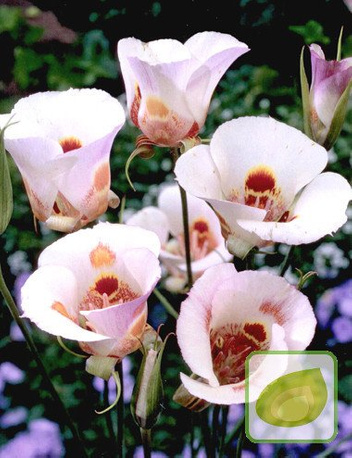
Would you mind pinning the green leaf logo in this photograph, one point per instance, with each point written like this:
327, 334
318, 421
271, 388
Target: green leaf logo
294, 399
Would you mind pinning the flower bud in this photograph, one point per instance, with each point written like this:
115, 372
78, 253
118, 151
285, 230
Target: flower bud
146, 403
6, 202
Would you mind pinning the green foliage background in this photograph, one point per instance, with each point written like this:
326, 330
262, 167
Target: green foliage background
80, 51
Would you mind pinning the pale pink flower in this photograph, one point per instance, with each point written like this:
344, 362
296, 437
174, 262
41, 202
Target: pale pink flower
207, 244
263, 179
92, 286
229, 314
169, 84
61, 144
330, 79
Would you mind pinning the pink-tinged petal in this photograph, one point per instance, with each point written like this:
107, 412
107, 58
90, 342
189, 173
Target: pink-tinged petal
287, 157
141, 270
86, 114
328, 93
215, 52
215, 257
49, 299
193, 324
42, 167
320, 210
114, 321
235, 393
152, 219
196, 172
282, 302
226, 316
98, 249
169, 201
87, 184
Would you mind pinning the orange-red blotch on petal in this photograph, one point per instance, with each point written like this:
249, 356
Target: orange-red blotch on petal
102, 177
156, 108
138, 326
102, 256
260, 179
59, 307
70, 143
255, 330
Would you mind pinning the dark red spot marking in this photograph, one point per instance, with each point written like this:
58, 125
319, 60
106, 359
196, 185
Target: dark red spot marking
193, 131
260, 180
107, 285
256, 330
201, 226
135, 106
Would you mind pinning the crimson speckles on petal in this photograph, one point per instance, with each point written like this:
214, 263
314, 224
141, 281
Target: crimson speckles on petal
230, 345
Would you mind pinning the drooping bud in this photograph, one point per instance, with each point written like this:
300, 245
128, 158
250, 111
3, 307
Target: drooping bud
146, 403
6, 200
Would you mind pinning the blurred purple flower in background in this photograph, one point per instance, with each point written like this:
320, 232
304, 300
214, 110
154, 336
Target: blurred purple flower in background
42, 439
13, 417
334, 308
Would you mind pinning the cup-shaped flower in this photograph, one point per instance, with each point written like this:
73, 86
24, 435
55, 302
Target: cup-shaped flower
207, 245
229, 314
329, 91
92, 286
169, 84
263, 180
61, 145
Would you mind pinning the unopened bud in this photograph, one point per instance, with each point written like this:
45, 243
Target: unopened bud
148, 393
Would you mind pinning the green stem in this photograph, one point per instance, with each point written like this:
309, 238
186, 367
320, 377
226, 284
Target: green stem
215, 428
329, 450
175, 152
203, 417
186, 236
109, 423
240, 442
14, 312
169, 308
286, 262
230, 437
120, 414
225, 411
146, 435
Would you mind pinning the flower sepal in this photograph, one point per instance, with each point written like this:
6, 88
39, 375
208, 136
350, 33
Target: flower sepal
101, 366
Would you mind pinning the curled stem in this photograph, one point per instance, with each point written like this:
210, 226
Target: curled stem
118, 394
